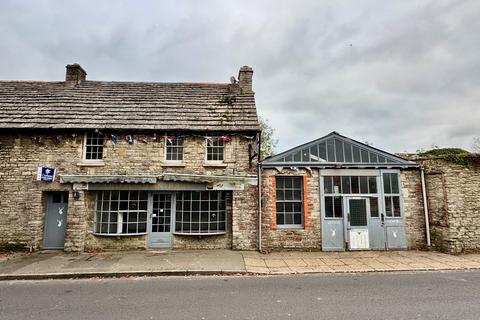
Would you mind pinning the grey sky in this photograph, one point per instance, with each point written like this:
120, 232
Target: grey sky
403, 75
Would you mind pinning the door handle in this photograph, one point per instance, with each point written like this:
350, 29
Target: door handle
348, 217
382, 217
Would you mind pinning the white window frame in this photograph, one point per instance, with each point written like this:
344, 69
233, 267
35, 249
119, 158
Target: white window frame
84, 151
165, 153
207, 137
302, 216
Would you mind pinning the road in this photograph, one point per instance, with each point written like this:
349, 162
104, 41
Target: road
432, 295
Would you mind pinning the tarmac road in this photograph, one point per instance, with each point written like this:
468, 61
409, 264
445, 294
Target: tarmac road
425, 295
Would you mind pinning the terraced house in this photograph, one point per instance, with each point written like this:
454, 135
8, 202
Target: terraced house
88, 165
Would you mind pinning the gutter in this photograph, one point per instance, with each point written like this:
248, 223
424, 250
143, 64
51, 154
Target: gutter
425, 205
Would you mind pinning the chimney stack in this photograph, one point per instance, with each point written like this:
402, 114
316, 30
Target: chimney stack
245, 79
75, 73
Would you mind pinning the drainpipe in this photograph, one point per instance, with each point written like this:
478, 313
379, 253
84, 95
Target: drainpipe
425, 205
259, 182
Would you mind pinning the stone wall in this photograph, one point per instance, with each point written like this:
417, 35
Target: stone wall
413, 209
23, 199
277, 238
453, 192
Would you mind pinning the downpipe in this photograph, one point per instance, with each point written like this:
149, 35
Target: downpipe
425, 205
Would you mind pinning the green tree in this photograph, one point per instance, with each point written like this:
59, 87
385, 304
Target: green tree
269, 142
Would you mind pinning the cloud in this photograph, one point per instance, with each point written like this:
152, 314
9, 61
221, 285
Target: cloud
403, 75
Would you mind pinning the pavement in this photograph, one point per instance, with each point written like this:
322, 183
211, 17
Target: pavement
58, 264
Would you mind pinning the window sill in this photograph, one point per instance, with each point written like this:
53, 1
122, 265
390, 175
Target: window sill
214, 165
91, 164
280, 227
199, 234
119, 234
173, 164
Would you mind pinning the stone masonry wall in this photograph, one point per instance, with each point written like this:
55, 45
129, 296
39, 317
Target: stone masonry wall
413, 209
23, 201
306, 238
454, 205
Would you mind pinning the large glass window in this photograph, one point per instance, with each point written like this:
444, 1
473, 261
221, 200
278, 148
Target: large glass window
391, 189
200, 212
121, 212
289, 201
350, 184
215, 148
174, 147
93, 145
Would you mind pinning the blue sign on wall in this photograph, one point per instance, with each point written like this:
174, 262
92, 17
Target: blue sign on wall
46, 174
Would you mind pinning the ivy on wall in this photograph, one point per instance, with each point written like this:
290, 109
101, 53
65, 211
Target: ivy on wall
453, 155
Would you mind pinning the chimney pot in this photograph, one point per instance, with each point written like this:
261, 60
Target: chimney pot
245, 79
75, 73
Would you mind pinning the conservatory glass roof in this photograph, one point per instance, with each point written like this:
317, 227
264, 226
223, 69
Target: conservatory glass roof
333, 150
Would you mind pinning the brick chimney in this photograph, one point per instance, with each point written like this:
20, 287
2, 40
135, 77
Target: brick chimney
245, 79
75, 73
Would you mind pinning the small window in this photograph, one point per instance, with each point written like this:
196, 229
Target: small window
93, 146
174, 147
290, 203
215, 147
333, 207
392, 195
121, 212
374, 207
200, 212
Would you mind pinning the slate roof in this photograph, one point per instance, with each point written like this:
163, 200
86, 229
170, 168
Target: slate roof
126, 105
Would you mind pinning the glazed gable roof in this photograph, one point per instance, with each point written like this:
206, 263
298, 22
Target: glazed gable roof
336, 151
126, 105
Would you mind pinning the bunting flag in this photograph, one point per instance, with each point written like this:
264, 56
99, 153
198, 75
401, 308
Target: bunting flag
225, 138
113, 138
129, 138
155, 137
169, 139
55, 139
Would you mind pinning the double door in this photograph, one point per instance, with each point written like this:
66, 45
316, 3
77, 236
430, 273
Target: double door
362, 226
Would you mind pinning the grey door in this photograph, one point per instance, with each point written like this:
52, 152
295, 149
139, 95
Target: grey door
160, 226
55, 220
357, 227
376, 225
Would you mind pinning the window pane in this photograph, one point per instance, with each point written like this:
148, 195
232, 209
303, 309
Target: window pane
347, 147
356, 154
363, 184
337, 187
322, 151
394, 179
338, 207
372, 184
364, 156
373, 157
346, 184
297, 218
339, 150
314, 153
329, 207
305, 155
386, 183
388, 206
328, 184
396, 206
355, 187
331, 150
297, 156
374, 207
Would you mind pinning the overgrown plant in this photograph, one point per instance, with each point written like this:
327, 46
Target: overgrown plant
269, 142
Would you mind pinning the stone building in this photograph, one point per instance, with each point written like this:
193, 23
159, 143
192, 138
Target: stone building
453, 193
336, 194
93, 165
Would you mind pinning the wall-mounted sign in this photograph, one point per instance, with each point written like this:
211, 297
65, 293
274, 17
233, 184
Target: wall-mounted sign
46, 174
